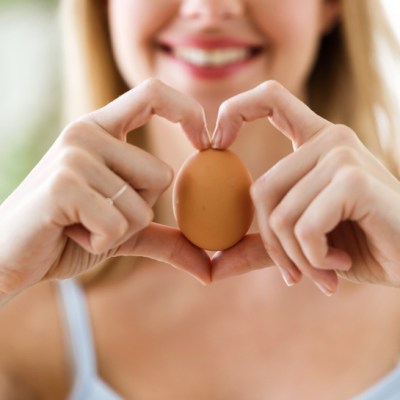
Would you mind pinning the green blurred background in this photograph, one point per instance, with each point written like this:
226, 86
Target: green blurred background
29, 85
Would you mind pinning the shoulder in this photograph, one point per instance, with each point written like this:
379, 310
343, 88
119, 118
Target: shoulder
31, 341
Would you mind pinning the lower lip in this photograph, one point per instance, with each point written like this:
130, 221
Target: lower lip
214, 72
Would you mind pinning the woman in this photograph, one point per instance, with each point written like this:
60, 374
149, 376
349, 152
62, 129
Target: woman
329, 208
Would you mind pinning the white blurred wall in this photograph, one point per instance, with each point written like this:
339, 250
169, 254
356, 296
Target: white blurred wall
393, 11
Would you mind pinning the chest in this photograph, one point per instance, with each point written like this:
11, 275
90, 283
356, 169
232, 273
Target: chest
220, 350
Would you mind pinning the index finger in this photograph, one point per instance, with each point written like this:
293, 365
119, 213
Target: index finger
270, 99
136, 107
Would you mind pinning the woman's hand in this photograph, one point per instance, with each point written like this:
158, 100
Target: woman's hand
59, 222
329, 208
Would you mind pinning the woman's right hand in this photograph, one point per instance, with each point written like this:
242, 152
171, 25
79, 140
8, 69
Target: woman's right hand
58, 223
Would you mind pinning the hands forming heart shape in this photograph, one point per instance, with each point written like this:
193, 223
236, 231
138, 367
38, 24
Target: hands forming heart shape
328, 209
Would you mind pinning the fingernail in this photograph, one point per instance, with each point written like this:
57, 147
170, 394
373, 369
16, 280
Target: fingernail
287, 277
216, 139
324, 288
205, 139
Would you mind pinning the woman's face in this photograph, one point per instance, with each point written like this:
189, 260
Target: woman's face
213, 49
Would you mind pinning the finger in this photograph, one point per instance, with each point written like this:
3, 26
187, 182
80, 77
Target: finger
285, 252
280, 246
270, 99
122, 163
137, 212
296, 201
264, 203
339, 201
137, 106
247, 255
283, 193
88, 218
148, 175
169, 245
325, 279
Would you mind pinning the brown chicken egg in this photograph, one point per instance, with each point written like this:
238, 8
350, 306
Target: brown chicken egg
211, 199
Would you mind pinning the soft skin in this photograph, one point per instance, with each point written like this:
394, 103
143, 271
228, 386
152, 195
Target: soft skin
68, 220
288, 32
330, 205
325, 207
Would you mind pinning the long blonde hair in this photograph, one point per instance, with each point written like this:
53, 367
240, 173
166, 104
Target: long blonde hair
345, 86
349, 86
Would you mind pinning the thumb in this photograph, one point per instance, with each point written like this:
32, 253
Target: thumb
247, 255
169, 245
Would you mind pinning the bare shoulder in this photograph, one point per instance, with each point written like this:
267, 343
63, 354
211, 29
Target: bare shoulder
31, 343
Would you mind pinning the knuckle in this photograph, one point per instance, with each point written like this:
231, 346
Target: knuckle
227, 107
303, 231
352, 178
161, 178
153, 93
270, 87
343, 155
153, 86
166, 176
73, 133
342, 134
264, 191
72, 157
112, 233
279, 219
257, 192
63, 180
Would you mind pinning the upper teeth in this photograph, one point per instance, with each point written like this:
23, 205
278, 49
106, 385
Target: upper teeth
211, 58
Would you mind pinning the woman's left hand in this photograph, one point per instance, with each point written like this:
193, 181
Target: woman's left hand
329, 208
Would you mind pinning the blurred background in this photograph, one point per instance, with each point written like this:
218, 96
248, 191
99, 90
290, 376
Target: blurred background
30, 86
30, 83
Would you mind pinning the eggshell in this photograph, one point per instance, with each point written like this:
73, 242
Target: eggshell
211, 199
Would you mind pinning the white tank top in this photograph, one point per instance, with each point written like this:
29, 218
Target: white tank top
87, 385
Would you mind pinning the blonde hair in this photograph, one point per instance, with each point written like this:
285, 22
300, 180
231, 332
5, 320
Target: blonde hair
91, 78
345, 86
349, 88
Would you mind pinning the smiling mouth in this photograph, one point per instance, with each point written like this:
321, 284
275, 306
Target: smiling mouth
212, 57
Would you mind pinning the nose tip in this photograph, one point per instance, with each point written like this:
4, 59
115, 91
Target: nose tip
211, 9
